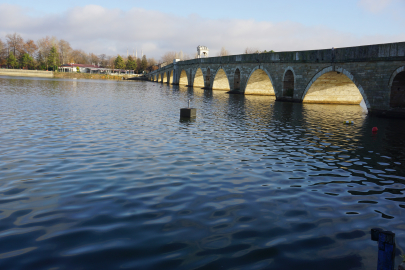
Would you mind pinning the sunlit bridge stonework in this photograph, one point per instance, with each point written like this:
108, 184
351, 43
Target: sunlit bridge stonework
374, 73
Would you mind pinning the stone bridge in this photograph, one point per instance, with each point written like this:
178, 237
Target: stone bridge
374, 73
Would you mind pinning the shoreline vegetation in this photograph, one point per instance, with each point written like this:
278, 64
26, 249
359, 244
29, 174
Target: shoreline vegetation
65, 75
91, 76
49, 53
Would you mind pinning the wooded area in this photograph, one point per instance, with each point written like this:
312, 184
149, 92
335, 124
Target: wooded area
48, 53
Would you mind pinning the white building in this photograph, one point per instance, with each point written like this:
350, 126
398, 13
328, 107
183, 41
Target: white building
202, 52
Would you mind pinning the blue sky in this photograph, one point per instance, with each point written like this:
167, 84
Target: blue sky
159, 26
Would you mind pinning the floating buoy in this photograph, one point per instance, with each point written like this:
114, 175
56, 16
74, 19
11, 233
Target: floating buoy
348, 122
188, 112
374, 129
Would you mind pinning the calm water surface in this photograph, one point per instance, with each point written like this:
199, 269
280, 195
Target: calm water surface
104, 175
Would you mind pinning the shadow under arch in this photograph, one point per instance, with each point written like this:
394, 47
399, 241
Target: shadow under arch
289, 82
259, 82
334, 87
397, 88
207, 79
221, 81
198, 79
183, 80
236, 80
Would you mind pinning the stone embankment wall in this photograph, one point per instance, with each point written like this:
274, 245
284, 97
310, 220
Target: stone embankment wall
26, 73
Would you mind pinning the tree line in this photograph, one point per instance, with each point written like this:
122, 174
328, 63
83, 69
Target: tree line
49, 53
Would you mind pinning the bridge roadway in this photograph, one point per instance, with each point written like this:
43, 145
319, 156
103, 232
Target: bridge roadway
375, 73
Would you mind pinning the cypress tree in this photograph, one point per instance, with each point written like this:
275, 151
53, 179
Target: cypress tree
131, 63
11, 60
119, 62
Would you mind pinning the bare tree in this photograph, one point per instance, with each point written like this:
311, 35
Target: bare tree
151, 62
55, 42
2, 52
103, 60
79, 57
169, 56
30, 47
223, 52
64, 51
110, 61
44, 47
94, 60
186, 57
15, 43
251, 50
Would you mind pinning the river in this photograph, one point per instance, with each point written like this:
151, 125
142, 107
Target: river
105, 175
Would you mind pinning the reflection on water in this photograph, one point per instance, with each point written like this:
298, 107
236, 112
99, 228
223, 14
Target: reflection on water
104, 175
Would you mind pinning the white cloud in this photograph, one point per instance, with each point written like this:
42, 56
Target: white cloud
100, 30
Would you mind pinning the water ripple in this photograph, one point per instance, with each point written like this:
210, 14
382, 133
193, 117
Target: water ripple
104, 175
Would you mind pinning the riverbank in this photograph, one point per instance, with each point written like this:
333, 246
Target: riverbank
66, 75
26, 73
63, 75
97, 76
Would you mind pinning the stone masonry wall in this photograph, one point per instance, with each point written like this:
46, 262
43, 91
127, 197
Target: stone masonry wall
321, 76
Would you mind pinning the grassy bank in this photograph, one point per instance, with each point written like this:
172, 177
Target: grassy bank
67, 75
26, 73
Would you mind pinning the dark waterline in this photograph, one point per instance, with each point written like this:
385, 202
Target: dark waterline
104, 175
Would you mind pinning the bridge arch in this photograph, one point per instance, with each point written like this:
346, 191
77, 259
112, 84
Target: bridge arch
237, 78
183, 79
289, 82
221, 80
164, 79
334, 87
198, 78
259, 82
397, 88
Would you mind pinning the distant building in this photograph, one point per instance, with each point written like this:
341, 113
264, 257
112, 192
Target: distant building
83, 68
202, 52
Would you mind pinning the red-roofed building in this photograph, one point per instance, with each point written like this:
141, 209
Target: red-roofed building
83, 68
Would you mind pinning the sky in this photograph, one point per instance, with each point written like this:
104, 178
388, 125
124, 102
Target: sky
156, 27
